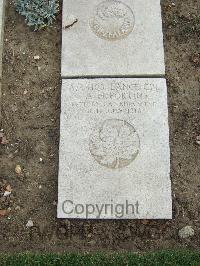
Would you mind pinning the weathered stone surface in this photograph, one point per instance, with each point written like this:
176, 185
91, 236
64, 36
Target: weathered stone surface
1, 32
112, 38
114, 149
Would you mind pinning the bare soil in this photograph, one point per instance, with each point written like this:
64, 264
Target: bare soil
30, 120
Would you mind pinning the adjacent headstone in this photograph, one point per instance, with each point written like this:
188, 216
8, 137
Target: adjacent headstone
114, 149
1, 32
2, 9
112, 38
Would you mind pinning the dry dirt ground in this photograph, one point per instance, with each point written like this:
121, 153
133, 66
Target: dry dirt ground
30, 120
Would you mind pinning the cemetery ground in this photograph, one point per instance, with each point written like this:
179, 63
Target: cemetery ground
30, 110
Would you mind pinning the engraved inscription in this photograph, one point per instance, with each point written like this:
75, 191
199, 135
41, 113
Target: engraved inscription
112, 20
114, 144
113, 98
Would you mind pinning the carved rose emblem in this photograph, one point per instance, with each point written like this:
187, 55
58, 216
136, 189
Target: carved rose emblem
115, 144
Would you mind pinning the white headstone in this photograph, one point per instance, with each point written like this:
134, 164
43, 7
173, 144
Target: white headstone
1, 33
114, 149
112, 38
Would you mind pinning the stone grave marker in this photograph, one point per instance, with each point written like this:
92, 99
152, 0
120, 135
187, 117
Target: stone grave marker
112, 38
114, 148
2, 10
2, 7
114, 138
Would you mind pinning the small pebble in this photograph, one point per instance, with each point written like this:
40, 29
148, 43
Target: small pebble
186, 232
54, 203
18, 169
8, 188
3, 212
198, 140
6, 193
92, 242
36, 57
29, 224
17, 208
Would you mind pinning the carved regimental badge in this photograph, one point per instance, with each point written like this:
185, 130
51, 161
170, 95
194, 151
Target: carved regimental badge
112, 20
114, 144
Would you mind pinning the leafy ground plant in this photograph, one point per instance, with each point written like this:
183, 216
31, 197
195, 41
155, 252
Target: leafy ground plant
38, 13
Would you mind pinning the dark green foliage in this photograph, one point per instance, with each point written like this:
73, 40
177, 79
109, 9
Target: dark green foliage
38, 13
